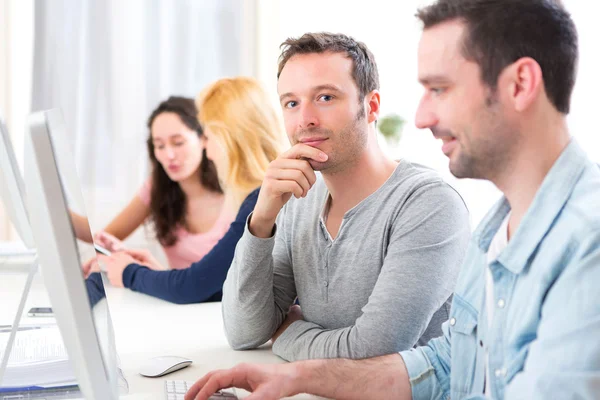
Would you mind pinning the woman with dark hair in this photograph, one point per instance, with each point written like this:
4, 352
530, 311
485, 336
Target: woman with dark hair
182, 199
243, 134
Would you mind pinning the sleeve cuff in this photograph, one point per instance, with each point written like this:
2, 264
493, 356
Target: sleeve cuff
255, 244
129, 274
284, 346
247, 229
421, 373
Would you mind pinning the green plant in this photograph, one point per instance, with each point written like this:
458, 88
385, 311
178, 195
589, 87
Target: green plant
390, 127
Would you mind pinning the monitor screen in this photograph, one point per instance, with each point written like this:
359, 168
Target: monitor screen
72, 199
59, 223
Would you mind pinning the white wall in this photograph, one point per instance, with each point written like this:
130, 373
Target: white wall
584, 107
387, 27
391, 31
153, 49
4, 228
16, 54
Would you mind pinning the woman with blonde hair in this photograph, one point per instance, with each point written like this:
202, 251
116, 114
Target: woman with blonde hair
242, 136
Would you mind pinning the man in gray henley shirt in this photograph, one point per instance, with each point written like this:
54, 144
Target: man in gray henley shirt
370, 247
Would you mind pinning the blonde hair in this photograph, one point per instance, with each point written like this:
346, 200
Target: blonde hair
239, 115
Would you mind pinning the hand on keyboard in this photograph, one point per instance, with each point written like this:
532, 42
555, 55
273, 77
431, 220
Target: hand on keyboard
176, 390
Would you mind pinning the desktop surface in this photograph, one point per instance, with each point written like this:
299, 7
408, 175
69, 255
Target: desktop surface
147, 327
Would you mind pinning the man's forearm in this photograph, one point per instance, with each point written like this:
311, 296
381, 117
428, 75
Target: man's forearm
383, 377
249, 312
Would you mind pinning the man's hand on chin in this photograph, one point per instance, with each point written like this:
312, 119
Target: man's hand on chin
295, 314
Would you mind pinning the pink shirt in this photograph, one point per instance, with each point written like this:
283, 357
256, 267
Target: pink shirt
190, 247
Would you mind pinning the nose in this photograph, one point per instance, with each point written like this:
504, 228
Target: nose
170, 153
425, 117
308, 117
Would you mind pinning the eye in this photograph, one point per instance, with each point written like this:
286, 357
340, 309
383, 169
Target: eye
158, 147
326, 97
179, 144
437, 91
290, 104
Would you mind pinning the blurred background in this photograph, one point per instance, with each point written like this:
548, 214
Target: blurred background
108, 63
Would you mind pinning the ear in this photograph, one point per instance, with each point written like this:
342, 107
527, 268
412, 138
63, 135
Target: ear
525, 81
372, 101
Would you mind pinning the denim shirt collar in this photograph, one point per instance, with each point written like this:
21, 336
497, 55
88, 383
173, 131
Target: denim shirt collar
547, 204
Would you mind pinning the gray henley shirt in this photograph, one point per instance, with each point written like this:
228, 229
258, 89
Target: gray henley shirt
383, 285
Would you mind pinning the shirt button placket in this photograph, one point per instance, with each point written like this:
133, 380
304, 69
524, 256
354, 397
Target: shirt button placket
325, 277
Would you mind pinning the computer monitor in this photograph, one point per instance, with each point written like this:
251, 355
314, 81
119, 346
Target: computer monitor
79, 301
12, 189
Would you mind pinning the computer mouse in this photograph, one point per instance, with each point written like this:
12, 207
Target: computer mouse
159, 366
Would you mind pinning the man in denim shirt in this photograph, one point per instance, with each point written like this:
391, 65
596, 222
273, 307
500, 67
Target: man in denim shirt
525, 318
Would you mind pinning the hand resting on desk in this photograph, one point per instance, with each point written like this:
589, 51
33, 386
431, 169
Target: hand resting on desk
115, 264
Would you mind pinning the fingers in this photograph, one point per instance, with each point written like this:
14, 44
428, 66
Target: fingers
214, 381
303, 151
290, 176
196, 387
298, 171
138, 254
292, 166
94, 266
145, 257
99, 258
239, 377
90, 266
283, 187
294, 175
108, 241
101, 238
265, 383
219, 380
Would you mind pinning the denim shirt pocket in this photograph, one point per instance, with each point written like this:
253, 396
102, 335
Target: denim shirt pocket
463, 329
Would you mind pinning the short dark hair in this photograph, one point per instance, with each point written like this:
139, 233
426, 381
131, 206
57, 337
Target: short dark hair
167, 200
499, 32
364, 67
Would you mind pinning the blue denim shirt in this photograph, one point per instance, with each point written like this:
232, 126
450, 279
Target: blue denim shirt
544, 338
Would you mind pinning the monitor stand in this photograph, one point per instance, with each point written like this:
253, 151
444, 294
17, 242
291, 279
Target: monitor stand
15, 326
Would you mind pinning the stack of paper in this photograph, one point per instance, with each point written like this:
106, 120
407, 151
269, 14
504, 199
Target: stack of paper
38, 360
15, 249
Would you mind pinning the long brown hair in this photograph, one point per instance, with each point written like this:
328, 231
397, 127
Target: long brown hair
167, 200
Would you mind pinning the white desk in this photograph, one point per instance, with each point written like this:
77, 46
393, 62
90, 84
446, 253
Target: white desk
146, 327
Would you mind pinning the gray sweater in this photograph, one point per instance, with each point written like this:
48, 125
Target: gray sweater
382, 286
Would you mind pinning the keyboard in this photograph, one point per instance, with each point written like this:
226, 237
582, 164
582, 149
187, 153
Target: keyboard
176, 390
